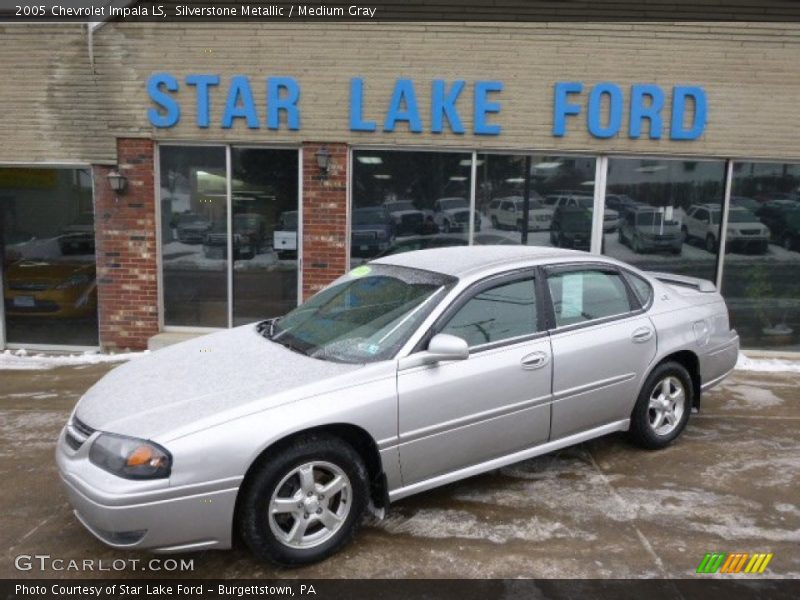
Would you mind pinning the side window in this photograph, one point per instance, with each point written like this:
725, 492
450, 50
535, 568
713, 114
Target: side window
499, 313
586, 295
494, 204
642, 289
701, 215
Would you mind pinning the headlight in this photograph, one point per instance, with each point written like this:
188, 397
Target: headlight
74, 281
130, 458
732, 231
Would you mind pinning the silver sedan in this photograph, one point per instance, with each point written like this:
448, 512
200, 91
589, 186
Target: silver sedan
405, 374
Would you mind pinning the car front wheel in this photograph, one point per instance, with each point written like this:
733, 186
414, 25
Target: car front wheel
663, 407
304, 503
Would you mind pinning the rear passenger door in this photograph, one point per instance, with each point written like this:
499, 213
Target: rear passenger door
603, 344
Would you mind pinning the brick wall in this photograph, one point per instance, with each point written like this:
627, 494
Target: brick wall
126, 250
324, 217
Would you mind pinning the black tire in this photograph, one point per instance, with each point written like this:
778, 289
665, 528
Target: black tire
685, 234
711, 244
254, 524
788, 242
520, 226
642, 432
620, 237
495, 224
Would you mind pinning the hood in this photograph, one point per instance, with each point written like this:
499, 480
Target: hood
402, 213
658, 230
152, 396
42, 270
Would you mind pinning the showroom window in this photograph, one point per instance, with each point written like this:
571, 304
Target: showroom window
405, 200
761, 270
665, 215
228, 235
554, 194
47, 253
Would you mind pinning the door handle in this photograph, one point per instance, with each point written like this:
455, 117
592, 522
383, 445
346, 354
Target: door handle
641, 335
535, 360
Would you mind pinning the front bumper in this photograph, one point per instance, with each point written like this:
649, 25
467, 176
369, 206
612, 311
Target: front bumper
146, 514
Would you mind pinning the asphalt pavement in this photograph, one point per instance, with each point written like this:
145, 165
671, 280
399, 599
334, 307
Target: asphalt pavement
604, 509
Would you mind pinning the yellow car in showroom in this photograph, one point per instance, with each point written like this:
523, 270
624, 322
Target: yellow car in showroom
61, 289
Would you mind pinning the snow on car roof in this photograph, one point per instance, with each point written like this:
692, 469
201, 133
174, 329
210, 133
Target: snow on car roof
460, 260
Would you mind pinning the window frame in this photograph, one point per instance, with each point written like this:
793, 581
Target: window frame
633, 300
477, 287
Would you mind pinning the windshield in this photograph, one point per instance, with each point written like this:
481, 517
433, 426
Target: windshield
585, 202
741, 216
532, 204
453, 203
653, 219
364, 316
396, 206
368, 217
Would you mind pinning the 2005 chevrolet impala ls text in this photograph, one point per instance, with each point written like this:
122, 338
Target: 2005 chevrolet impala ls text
407, 373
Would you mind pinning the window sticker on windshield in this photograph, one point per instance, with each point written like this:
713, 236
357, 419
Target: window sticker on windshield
571, 295
361, 271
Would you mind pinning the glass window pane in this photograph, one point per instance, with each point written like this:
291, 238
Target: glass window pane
500, 313
559, 191
264, 190
47, 251
664, 215
580, 296
408, 201
761, 276
194, 235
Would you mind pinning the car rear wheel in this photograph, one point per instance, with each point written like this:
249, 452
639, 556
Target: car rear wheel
711, 243
663, 407
305, 503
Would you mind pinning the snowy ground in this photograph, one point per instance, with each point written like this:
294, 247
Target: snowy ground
603, 509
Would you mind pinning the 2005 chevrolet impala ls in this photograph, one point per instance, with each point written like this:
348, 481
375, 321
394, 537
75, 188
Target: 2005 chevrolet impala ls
407, 373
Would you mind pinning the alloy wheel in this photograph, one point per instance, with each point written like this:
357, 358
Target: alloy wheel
310, 504
667, 405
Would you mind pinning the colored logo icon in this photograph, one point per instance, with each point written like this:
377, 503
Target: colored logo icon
737, 562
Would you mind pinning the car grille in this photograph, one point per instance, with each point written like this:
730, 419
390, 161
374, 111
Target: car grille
750, 231
40, 306
77, 433
30, 286
461, 217
217, 239
607, 217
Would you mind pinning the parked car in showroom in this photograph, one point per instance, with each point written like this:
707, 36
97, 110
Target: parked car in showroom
409, 372
252, 226
191, 228
782, 217
51, 288
646, 229
452, 215
371, 231
610, 216
744, 232
215, 244
571, 228
407, 219
508, 213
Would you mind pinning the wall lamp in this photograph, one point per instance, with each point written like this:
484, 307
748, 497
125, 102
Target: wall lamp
323, 160
117, 181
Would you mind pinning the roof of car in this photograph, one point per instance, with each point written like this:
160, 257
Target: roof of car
461, 260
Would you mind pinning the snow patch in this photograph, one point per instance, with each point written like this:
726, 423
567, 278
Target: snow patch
22, 361
767, 365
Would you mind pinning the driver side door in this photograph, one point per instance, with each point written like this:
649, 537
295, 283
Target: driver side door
459, 413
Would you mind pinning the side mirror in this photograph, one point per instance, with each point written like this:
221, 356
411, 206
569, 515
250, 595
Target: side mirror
442, 347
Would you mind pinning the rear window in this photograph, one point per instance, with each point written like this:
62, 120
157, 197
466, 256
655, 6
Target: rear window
641, 287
